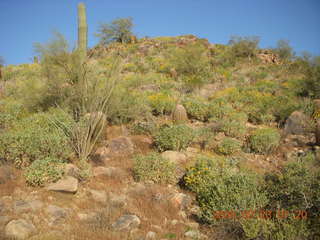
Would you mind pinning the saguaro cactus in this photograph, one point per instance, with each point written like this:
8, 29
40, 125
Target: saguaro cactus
82, 31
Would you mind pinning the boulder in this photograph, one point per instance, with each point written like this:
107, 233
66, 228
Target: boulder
297, 123
56, 213
21, 206
126, 223
120, 146
174, 156
19, 229
67, 185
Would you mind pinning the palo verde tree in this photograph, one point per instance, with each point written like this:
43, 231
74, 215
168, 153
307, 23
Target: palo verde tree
119, 30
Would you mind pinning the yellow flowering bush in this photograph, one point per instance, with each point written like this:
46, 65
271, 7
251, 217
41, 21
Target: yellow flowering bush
162, 102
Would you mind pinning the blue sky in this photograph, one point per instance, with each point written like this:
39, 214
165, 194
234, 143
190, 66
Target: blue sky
24, 22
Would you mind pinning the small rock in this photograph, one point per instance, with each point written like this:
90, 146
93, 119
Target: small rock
174, 156
19, 229
142, 143
36, 204
21, 206
67, 184
126, 223
56, 213
180, 200
98, 196
193, 234
174, 222
107, 171
151, 235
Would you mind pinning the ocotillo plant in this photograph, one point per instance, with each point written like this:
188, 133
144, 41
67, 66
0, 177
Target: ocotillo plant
82, 32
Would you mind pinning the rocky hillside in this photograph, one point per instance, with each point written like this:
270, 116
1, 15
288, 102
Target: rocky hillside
198, 141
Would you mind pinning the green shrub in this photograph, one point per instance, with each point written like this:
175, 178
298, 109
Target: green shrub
43, 171
34, 137
144, 128
243, 47
228, 146
229, 120
220, 188
264, 140
191, 64
294, 189
197, 109
162, 102
10, 111
174, 137
130, 106
155, 168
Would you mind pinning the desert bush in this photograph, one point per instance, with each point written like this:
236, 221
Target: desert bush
162, 102
196, 108
204, 136
191, 64
243, 47
155, 168
42, 171
264, 140
174, 137
294, 189
10, 111
228, 146
144, 128
34, 137
284, 50
219, 188
131, 106
228, 119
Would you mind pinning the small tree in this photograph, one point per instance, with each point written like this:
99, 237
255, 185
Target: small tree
244, 47
119, 30
284, 50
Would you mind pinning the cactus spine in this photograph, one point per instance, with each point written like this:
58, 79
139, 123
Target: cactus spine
82, 32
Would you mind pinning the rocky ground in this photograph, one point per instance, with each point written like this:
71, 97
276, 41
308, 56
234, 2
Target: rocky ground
111, 204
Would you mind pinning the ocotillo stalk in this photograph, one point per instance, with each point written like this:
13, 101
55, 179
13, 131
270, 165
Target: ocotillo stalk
82, 32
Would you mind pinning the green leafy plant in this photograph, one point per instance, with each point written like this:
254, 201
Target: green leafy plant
264, 140
33, 138
228, 146
174, 137
196, 108
155, 168
43, 171
219, 188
